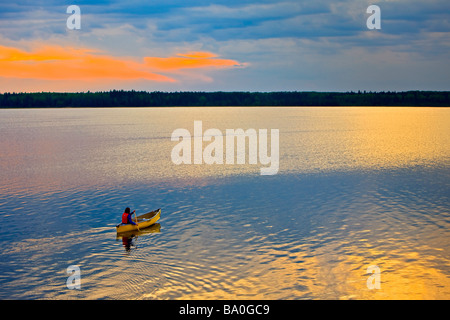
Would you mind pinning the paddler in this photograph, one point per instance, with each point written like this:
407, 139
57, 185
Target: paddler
126, 217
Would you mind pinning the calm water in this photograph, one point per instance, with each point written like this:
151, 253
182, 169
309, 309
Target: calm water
357, 187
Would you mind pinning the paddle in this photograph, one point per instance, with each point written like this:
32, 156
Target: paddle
136, 220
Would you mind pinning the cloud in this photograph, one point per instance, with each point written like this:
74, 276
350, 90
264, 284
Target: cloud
58, 63
189, 61
51, 62
224, 20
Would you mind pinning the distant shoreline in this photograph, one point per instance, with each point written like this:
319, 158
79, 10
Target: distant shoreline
137, 99
168, 107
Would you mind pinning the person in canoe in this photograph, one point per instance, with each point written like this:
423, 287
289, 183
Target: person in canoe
126, 217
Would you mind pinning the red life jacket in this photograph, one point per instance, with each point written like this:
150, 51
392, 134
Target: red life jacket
125, 218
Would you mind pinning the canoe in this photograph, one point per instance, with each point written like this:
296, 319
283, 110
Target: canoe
154, 228
144, 221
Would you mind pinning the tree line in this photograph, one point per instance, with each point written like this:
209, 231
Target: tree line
121, 98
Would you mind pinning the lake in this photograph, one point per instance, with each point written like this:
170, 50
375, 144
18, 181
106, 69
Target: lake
357, 188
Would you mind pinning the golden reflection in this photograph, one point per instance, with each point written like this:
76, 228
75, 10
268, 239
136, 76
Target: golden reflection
398, 137
86, 148
323, 139
323, 273
403, 276
359, 138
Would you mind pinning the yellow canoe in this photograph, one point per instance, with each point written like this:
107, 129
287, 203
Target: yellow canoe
154, 228
144, 221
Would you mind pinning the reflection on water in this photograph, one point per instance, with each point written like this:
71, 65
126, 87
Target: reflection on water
128, 238
59, 149
357, 187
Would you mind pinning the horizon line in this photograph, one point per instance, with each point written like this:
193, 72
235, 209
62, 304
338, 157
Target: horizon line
222, 91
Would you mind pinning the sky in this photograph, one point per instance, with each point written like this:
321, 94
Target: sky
227, 45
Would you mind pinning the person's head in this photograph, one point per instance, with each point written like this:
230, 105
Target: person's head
127, 210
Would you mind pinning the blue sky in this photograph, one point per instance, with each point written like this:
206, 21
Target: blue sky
274, 45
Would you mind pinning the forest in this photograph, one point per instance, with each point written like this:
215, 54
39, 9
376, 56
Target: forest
121, 98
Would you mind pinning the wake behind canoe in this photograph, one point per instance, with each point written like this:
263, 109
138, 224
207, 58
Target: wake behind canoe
144, 221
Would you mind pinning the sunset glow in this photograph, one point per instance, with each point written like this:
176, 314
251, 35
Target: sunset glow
59, 63
190, 60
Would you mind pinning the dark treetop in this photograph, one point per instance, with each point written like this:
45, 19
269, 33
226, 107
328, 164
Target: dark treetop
133, 98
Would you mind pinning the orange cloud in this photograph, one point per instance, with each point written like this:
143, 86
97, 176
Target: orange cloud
190, 60
59, 63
